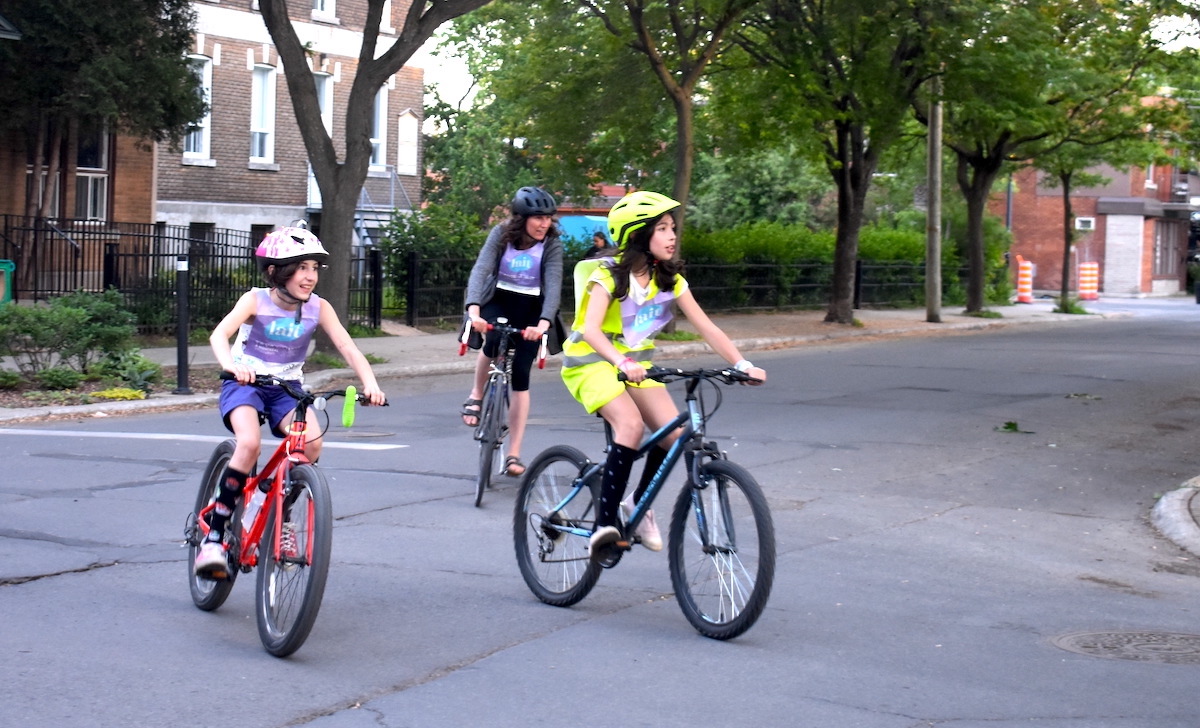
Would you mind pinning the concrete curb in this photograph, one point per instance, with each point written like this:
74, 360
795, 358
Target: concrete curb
1172, 516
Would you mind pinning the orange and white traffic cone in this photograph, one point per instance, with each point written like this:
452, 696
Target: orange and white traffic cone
1089, 281
1024, 280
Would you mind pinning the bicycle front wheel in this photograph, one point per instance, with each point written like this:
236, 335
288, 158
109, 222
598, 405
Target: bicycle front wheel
208, 594
722, 551
554, 563
492, 420
293, 567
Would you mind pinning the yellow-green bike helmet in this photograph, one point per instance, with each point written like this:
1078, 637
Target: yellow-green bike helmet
634, 211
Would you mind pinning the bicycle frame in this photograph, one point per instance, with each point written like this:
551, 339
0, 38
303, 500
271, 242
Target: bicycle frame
288, 454
690, 441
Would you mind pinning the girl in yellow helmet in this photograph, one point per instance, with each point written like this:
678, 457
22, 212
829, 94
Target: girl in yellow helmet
625, 302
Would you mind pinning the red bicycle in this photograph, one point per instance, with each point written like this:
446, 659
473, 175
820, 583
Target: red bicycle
283, 525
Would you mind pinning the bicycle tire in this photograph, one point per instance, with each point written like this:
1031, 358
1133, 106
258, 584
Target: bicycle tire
209, 594
491, 426
556, 566
724, 590
290, 588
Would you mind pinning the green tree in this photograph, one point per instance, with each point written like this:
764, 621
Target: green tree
844, 72
605, 90
1018, 77
474, 164
82, 66
340, 178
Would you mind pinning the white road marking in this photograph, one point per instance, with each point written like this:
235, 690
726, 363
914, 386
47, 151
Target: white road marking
185, 438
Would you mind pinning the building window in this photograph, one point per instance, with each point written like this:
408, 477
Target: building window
325, 10
324, 83
385, 20
91, 176
262, 115
408, 140
196, 143
379, 129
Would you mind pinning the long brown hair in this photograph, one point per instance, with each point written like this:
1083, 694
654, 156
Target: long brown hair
513, 233
636, 256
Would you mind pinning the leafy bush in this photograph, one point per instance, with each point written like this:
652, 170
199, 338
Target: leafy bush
132, 368
59, 378
120, 393
107, 328
33, 335
443, 238
10, 379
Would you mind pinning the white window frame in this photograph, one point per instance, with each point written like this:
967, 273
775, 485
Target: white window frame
324, 83
262, 114
324, 11
408, 143
385, 20
91, 185
197, 143
379, 127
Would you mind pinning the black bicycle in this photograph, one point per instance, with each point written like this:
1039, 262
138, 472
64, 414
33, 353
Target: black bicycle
493, 408
722, 539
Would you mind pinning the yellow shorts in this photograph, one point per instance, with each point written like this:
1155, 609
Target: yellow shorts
595, 385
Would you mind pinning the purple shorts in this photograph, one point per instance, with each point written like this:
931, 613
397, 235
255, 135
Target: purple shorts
271, 402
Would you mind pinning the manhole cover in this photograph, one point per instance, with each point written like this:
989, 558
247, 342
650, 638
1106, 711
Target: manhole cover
1173, 648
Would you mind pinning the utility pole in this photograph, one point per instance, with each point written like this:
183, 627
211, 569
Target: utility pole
933, 216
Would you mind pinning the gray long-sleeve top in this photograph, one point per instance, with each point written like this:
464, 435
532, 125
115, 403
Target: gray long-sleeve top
485, 273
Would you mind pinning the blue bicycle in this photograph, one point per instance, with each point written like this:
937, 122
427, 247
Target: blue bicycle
721, 538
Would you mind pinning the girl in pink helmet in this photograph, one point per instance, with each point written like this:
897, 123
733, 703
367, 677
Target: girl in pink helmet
274, 326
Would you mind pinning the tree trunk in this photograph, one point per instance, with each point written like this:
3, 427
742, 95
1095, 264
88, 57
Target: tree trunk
852, 165
975, 179
1068, 213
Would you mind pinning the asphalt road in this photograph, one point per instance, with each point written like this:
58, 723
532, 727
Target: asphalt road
950, 513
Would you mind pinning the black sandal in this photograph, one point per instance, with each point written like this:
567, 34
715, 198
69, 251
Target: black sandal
472, 408
513, 461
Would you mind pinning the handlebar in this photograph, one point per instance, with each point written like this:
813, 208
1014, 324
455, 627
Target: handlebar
306, 397
727, 375
502, 326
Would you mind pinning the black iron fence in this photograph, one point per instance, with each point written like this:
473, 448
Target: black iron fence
55, 257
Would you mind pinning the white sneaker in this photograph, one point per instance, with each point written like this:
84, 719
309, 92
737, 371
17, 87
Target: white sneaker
647, 530
603, 536
211, 561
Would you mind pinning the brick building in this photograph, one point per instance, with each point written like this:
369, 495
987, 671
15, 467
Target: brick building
1135, 227
244, 167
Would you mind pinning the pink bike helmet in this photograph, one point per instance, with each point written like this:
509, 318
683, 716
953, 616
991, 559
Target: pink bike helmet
290, 245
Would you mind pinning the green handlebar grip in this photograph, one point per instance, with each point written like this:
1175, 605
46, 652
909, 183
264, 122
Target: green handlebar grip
348, 406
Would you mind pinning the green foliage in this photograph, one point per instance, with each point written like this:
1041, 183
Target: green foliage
769, 183
132, 368
121, 64
33, 335
10, 379
58, 378
444, 238
108, 328
120, 393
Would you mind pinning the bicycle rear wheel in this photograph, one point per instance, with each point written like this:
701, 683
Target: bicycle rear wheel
722, 551
292, 571
492, 420
208, 594
556, 565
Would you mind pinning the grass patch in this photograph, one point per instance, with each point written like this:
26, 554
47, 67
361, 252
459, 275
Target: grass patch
677, 336
984, 314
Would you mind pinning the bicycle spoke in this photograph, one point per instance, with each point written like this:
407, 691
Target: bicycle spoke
554, 562
722, 581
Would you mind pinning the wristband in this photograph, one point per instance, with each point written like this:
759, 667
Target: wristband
743, 366
626, 360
